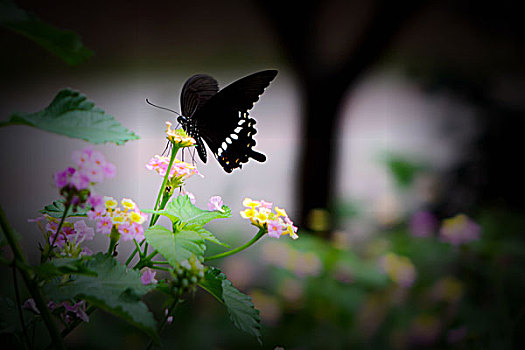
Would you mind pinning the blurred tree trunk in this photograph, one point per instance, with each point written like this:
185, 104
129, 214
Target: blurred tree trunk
323, 86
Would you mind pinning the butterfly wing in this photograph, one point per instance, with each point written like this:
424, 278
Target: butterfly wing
196, 91
224, 124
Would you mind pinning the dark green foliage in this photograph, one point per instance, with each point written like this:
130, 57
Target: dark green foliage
71, 114
62, 43
115, 289
242, 312
56, 210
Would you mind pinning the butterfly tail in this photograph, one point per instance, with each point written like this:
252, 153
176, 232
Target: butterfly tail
257, 156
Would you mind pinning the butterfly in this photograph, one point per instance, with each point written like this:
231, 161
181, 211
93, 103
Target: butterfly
220, 118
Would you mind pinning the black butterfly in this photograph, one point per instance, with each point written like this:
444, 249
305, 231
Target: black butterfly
221, 119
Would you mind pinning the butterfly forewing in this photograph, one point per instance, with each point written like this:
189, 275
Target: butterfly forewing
224, 122
196, 92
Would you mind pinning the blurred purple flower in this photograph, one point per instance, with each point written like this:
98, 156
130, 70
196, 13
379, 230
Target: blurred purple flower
423, 224
459, 230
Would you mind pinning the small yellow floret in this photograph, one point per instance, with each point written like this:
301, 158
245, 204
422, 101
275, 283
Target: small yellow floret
128, 204
247, 202
110, 202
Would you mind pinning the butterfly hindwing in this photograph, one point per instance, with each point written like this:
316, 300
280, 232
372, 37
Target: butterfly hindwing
224, 123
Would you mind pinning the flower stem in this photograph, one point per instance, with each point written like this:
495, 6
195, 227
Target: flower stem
49, 247
155, 216
32, 285
238, 249
164, 321
27, 343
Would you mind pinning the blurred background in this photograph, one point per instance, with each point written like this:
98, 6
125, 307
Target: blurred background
392, 133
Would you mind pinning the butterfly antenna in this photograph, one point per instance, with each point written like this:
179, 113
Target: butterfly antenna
167, 109
193, 156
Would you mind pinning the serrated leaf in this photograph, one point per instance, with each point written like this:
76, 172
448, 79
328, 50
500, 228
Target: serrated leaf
175, 246
207, 235
71, 114
180, 209
243, 313
115, 289
182, 212
56, 210
63, 266
63, 43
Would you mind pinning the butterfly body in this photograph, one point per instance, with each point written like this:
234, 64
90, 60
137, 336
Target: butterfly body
220, 118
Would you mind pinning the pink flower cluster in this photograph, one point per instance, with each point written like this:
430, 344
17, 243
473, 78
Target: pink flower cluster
459, 230
179, 169
91, 167
72, 233
77, 310
127, 220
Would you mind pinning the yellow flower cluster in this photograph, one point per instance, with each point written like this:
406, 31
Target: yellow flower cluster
179, 136
129, 211
261, 215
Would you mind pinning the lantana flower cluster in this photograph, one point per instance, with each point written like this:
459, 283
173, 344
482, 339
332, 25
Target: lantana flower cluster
70, 237
179, 136
69, 311
261, 215
180, 170
127, 220
91, 167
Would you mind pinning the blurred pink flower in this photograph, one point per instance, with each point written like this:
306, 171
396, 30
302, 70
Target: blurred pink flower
215, 203
148, 276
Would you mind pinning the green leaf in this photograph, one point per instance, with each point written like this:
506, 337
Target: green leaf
115, 289
63, 43
182, 212
243, 313
63, 266
207, 235
56, 210
175, 246
71, 114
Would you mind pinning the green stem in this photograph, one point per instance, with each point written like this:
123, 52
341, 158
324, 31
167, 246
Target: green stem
49, 247
137, 249
27, 343
238, 249
163, 323
161, 268
154, 217
28, 276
